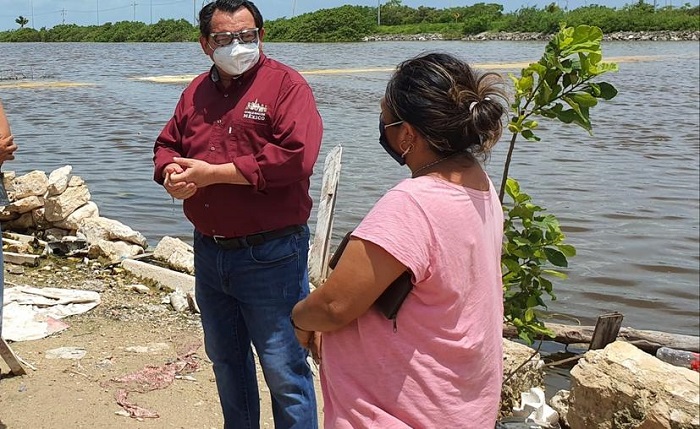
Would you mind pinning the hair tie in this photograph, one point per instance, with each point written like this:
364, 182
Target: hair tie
473, 104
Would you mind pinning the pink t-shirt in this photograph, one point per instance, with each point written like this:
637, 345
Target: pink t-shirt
442, 368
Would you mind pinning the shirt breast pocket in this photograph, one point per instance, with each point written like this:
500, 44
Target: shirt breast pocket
249, 137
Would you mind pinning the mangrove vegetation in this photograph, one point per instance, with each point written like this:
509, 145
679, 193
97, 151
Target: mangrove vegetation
356, 23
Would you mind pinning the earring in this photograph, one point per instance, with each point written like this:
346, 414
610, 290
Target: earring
407, 150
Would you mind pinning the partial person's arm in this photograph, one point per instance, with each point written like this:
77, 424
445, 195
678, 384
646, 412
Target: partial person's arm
7, 141
364, 271
297, 133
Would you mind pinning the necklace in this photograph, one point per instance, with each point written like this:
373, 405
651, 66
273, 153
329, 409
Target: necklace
430, 164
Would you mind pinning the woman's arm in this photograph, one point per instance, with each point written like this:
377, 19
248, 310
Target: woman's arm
7, 141
364, 271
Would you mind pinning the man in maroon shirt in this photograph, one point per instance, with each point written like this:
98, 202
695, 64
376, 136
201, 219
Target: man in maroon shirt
239, 150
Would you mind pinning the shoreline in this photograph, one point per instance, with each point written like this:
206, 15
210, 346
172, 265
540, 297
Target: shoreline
626, 36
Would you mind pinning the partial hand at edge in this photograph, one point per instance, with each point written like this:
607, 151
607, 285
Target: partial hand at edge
7, 148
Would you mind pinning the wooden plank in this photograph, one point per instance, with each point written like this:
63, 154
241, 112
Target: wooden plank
9, 357
649, 341
606, 329
320, 248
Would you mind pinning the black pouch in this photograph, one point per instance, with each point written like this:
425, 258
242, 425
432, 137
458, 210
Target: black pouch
389, 302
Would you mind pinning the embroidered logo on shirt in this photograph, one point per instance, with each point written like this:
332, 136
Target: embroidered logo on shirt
255, 111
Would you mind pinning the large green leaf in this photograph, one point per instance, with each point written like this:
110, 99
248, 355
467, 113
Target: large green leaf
555, 257
607, 91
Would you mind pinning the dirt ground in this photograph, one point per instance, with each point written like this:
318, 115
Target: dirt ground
126, 333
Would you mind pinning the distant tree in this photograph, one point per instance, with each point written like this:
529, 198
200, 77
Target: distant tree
21, 21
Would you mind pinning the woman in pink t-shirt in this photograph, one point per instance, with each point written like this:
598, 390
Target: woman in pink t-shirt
439, 363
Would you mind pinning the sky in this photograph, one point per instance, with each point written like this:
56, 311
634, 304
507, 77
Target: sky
48, 13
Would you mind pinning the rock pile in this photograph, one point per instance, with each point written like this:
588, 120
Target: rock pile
58, 209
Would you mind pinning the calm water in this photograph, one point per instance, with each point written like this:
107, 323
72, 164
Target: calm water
628, 197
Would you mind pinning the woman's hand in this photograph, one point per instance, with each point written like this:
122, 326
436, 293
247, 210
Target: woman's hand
311, 341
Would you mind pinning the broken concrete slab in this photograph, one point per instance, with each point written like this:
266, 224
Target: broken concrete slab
166, 278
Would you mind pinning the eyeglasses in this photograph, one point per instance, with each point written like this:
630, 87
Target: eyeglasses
225, 38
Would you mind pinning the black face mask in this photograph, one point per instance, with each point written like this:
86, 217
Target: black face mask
385, 143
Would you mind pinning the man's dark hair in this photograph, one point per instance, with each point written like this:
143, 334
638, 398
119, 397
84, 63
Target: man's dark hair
229, 6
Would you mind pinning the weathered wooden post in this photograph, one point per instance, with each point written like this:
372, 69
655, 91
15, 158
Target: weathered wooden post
5, 350
320, 248
606, 329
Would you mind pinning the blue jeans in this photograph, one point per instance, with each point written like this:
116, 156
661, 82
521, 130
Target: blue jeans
246, 295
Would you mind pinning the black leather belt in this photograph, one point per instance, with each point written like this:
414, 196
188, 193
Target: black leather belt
255, 239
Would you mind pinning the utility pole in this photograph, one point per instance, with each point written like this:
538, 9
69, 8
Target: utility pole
98, 11
63, 16
32, 6
194, 12
379, 12
134, 6
151, 12
294, 8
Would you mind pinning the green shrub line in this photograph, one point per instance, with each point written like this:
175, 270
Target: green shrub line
395, 21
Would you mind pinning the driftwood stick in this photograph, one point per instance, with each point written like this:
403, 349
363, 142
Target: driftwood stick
10, 358
648, 341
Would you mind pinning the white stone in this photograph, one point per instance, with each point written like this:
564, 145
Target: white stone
113, 251
58, 180
32, 183
102, 228
176, 253
25, 204
61, 206
73, 221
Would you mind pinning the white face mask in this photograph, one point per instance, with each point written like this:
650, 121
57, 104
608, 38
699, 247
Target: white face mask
236, 58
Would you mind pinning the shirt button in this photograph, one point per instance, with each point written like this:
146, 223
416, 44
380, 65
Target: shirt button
212, 148
225, 95
206, 206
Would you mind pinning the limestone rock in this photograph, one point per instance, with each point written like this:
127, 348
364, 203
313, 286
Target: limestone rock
102, 228
530, 375
22, 223
73, 221
25, 204
176, 253
32, 183
60, 206
113, 251
622, 387
39, 216
58, 180
6, 215
560, 404
75, 181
